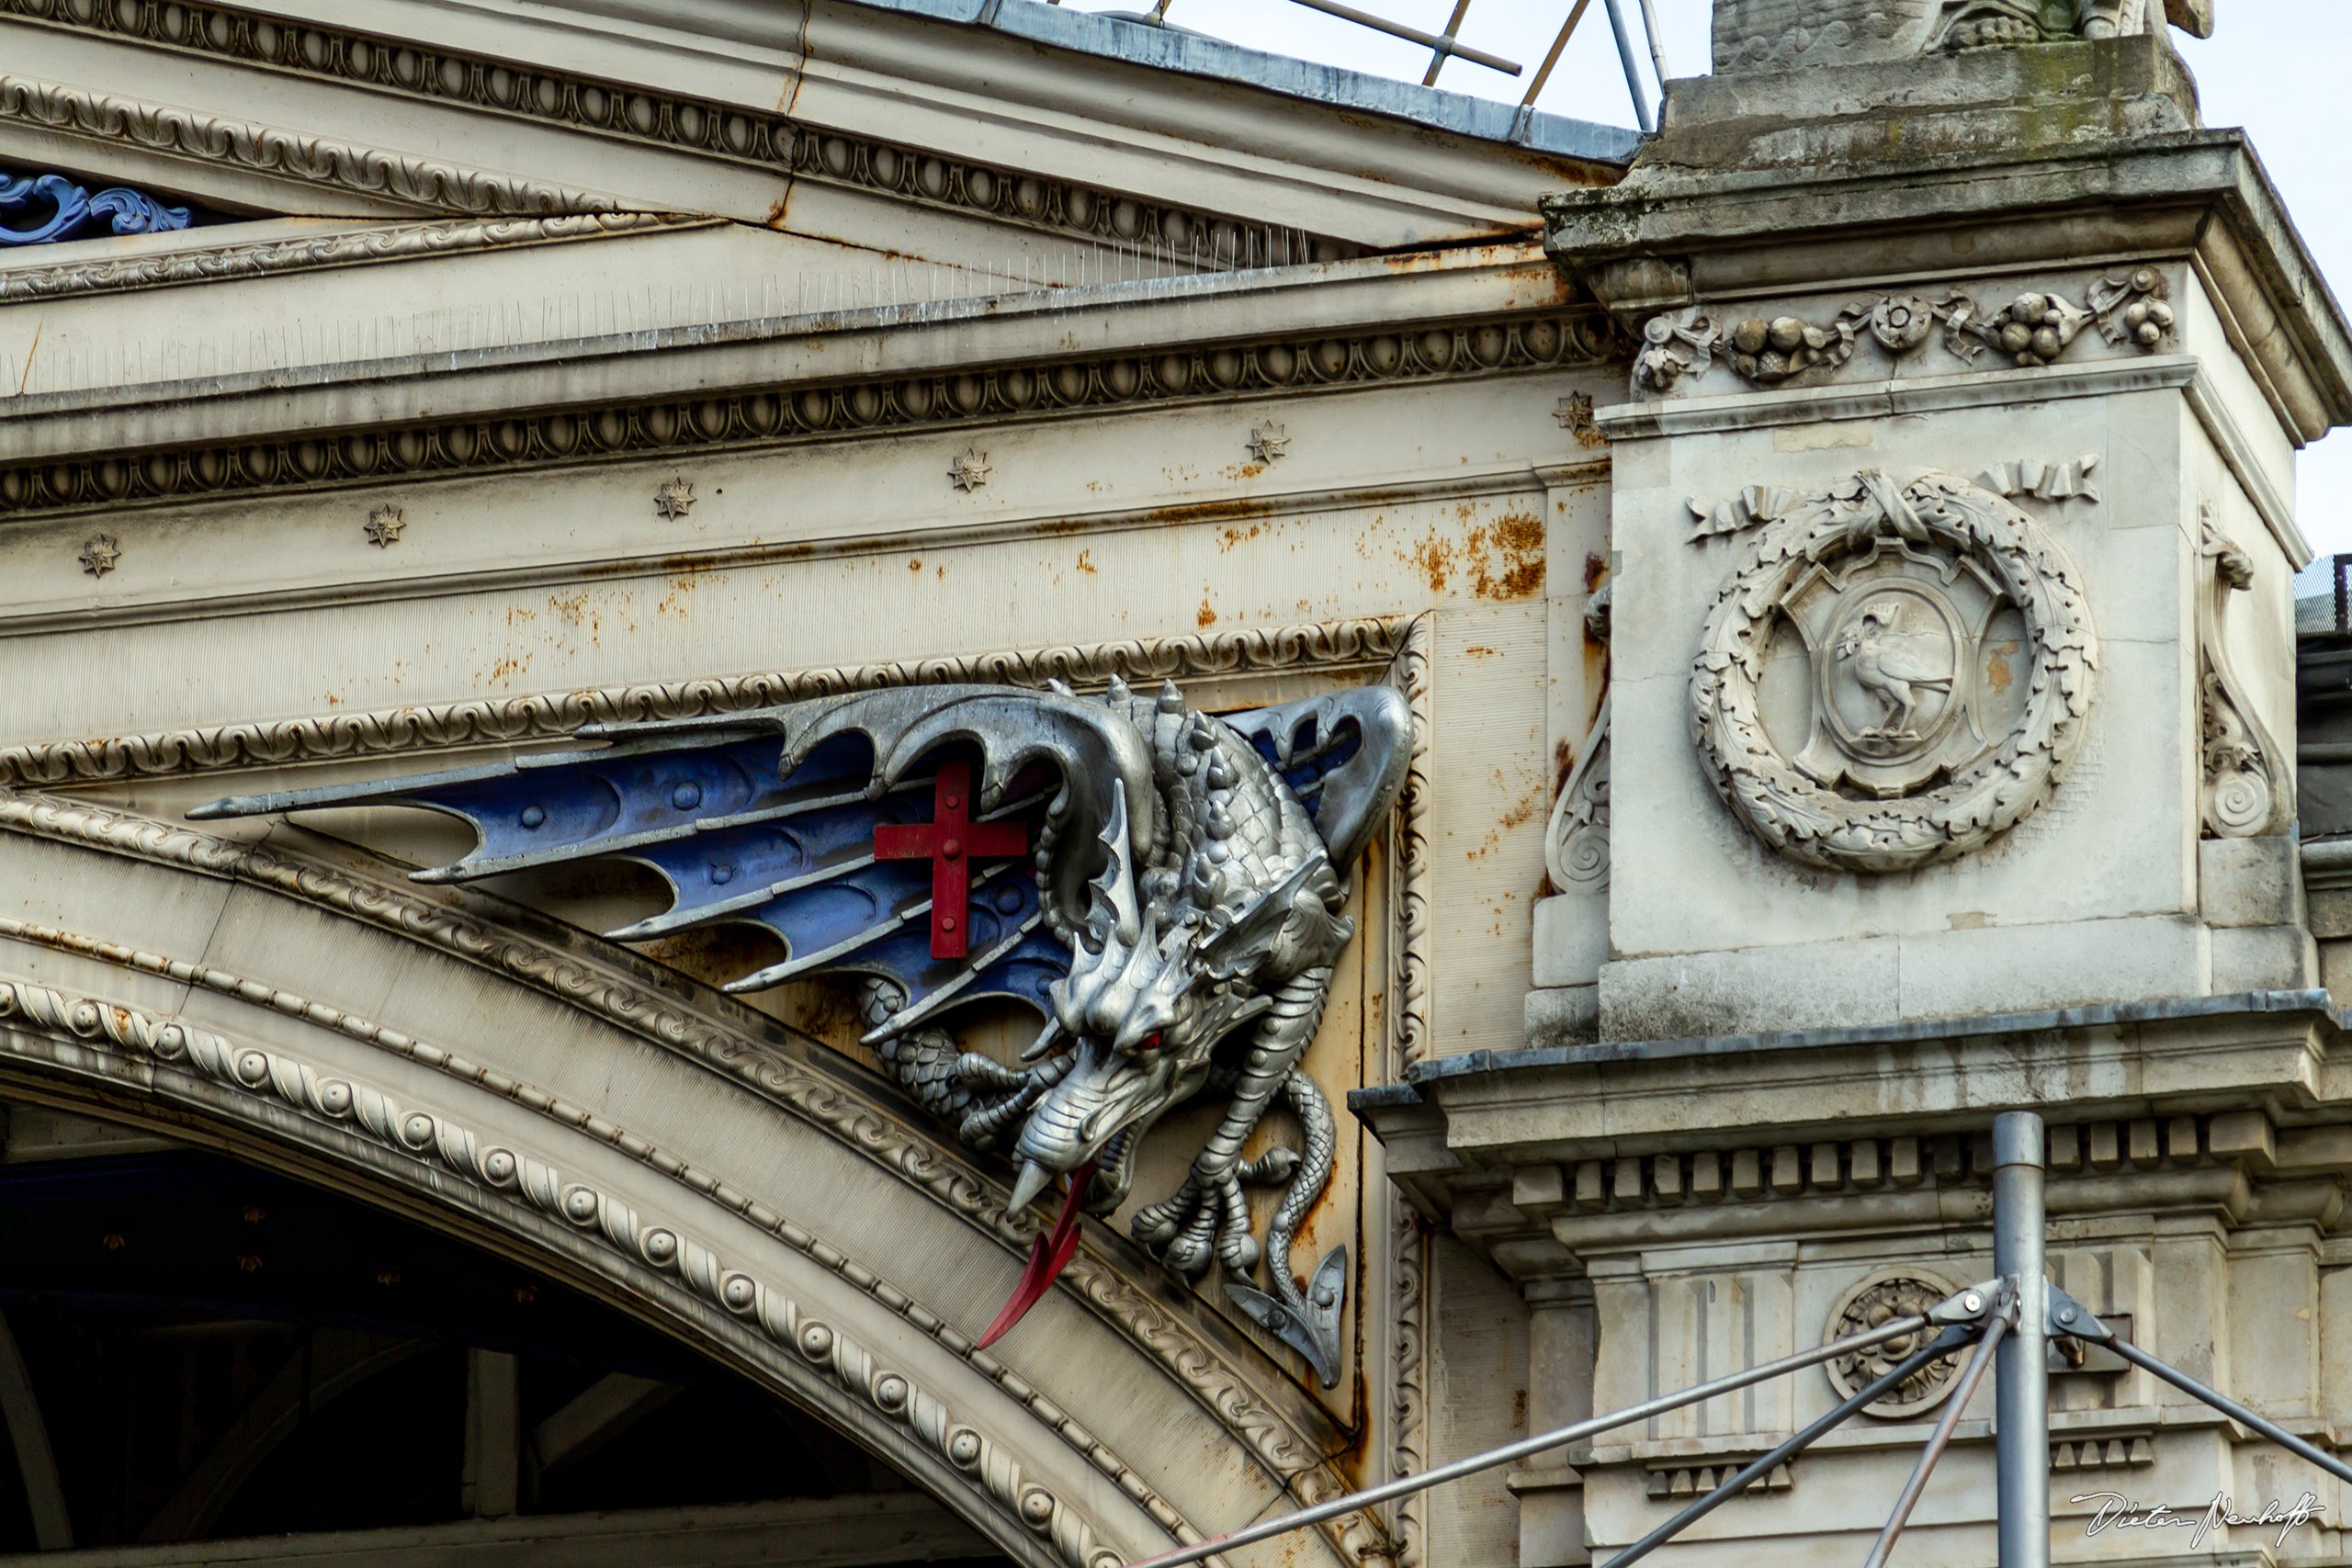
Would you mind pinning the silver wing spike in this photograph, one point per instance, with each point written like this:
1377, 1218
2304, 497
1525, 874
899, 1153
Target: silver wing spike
1114, 892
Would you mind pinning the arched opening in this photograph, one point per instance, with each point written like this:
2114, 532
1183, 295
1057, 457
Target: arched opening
195, 1349
704, 1177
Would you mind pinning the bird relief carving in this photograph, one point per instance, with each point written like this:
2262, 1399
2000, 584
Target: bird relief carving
1895, 672
1163, 887
1891, 642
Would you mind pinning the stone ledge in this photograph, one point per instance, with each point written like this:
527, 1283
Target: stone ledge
2161, 1010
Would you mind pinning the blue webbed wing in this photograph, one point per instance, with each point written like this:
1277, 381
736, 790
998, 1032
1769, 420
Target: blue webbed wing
1344, 755
1305, 773
541, 809
1013, 956
729, 869
704, 806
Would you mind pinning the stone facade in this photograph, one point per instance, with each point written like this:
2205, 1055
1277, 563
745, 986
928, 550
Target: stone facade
1836, 555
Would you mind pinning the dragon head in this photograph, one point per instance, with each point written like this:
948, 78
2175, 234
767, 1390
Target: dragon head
1152, 989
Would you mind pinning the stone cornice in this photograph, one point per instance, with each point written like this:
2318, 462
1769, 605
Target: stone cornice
30, 278
425, 74
1345, 645
117, 472
1689, 237
253, 147
1631, 1097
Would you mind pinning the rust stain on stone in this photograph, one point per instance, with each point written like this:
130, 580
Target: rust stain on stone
1514, 543
1434, 557
1208, 511
1997, 673
1207, 616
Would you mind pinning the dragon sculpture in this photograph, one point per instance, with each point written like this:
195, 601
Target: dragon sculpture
1168, 896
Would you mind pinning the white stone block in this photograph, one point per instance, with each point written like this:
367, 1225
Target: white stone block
1571, 939
2016, 968
2263, 958
1816, 985
1563, 1015
2247, 882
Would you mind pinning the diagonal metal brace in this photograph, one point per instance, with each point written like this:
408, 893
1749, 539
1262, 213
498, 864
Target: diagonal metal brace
1962, 1310
2003, 1318
1951, 1338
2070, 1317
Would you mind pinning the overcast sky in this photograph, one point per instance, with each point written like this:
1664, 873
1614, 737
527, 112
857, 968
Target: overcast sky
2275, 82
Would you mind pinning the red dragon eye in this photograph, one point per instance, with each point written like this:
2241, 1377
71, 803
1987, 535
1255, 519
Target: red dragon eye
1151, 1040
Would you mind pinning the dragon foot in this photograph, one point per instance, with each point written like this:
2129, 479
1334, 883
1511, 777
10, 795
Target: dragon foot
1206, 1221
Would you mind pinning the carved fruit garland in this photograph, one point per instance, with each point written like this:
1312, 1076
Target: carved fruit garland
1809, 822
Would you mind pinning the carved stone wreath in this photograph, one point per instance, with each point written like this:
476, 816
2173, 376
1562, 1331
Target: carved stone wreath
1927, 782
1876, 1298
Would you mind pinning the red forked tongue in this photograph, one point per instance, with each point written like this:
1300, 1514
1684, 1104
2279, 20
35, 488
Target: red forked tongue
1049, 1256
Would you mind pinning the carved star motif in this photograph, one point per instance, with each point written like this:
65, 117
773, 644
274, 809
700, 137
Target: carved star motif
100, 555
1574, 413
971, 471
1268, 442
384, 526
676, 499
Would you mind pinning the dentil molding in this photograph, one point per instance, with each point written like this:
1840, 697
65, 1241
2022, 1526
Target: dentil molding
628, 112
1088, 385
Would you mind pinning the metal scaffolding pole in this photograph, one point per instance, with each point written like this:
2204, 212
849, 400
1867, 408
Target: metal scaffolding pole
2012, 1317
2021, 1385
1632, 72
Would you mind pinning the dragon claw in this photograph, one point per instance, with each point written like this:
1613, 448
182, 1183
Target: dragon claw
1208, 1221
1272, 1168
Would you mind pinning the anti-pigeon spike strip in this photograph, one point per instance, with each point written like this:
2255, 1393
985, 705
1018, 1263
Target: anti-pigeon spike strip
1992, 1315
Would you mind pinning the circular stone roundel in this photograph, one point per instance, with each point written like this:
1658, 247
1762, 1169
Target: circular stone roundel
1876, 1298
1893, 674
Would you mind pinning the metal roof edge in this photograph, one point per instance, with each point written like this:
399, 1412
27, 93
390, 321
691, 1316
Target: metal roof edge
1194, 54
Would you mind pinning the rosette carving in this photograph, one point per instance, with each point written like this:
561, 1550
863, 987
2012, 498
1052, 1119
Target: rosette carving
1941, 663
1876, 1299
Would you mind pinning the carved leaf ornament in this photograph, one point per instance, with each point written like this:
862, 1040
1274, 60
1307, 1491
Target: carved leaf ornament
1926, 783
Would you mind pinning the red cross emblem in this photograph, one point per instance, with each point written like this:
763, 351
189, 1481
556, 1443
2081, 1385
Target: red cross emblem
951, 840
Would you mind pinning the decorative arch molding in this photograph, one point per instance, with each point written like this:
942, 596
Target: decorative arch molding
1282, 1430
343, 1119
657, 1232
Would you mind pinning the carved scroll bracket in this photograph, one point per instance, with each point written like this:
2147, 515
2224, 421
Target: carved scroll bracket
1575, 842
2246, 792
